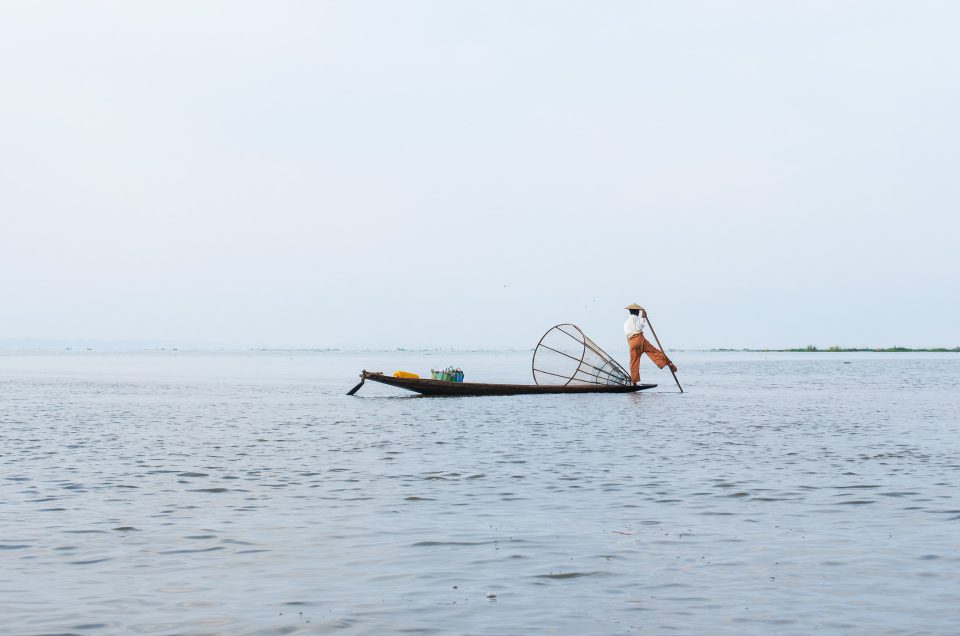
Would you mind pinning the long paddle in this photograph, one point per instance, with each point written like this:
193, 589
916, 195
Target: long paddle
654, 332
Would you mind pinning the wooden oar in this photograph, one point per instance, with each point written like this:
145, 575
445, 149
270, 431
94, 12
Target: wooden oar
654, 332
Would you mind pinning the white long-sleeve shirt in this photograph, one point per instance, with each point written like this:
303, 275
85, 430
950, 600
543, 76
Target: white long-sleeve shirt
633, 326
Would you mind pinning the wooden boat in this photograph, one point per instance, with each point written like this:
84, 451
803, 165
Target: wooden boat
446, 388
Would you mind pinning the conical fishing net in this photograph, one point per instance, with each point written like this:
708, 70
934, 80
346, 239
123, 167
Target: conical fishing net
565, 355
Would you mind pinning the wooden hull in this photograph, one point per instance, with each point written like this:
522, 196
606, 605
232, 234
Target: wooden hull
444, 388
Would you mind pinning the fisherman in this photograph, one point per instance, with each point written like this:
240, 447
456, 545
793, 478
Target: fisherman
639, 345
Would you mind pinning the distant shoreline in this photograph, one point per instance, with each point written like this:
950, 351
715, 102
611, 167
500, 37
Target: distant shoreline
97, 347
836, 349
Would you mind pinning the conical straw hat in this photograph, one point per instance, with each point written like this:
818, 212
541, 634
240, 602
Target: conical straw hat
633, 306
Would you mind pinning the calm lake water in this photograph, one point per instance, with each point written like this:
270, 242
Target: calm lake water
244, 493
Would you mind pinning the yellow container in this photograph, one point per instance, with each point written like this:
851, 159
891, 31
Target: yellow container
406, 374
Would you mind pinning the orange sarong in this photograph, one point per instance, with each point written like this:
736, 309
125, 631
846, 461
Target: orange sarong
639, 346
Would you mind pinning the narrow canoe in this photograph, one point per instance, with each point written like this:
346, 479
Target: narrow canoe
445, 388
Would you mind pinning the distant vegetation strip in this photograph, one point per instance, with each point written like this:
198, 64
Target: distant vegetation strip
837, 349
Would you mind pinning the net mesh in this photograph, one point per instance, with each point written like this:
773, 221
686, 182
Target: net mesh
565, 355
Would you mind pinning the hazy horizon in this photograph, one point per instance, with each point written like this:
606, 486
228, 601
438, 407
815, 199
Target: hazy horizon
373, 175
124, 346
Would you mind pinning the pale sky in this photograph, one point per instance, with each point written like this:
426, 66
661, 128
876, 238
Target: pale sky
466, 174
